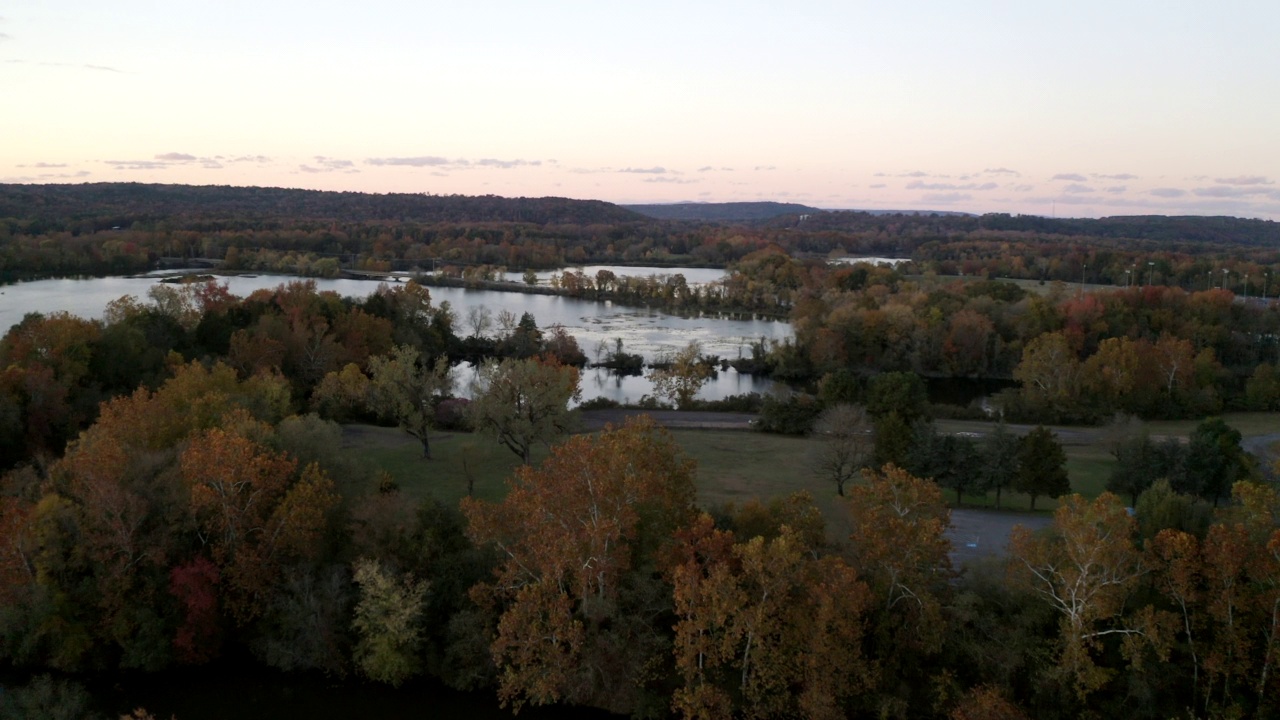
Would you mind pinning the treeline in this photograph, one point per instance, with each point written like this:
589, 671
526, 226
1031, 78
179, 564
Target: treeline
1079, 356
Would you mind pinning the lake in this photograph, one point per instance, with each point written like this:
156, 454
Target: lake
645, 331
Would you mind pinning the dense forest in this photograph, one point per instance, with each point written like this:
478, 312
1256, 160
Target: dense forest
174, 489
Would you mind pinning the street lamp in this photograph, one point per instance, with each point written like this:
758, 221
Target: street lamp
1151, 276
1224, 278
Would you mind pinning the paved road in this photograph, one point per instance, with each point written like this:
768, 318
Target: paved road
984, 533
593, 420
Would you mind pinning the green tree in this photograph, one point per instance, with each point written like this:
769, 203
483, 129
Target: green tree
404, 387
680, 382
998, 462
387, 623
523, 402
893, 439
900, 392
1042, 466
1215, 461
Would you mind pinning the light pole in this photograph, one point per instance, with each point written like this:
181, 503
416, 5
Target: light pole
1246, 287
1224, 278
1128, 278
1151, 276
1266, 280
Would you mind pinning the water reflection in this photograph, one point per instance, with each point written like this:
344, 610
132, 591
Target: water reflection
648, 332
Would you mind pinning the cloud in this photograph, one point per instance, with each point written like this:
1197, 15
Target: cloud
656, 170
64, 176
81, 66
1023, 188
1077, 188
1167, 192
507, 164
1228, 191
705, 168
675, 180
1073, 177
1121, 176
137, 164
952, 197
175, 157
248, 158
766, 168
46, 165
421, 161
1002, 171
328, 165
4, 37
877, 186
919, 185
1244, 180
1115, 189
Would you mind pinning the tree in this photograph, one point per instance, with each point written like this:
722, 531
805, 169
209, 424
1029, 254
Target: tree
903, 393
387, 623
523, 402
252, 509
680, 382
407, 389
1042, 466
1215, 461
765, 625
847, 438
1085, 569
577, 539
899, 541
893, 439
999, 460
1049, 373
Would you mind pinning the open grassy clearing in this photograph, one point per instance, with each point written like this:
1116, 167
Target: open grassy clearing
734, 466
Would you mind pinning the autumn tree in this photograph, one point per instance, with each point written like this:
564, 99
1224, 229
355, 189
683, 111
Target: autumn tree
1049, 374
523, 402
1042, 466
406, 387
899, 543
252, 508
679, 383
767, 628
577, 539
1085, 569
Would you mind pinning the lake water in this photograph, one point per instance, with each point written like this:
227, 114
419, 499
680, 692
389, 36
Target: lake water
648, 332
693, 276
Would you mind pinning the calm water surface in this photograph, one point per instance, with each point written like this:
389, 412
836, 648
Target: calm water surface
648, 332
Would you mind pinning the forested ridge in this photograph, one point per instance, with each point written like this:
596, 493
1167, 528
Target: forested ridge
106, 228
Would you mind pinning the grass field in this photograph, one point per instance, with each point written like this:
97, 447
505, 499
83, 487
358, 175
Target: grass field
733, 465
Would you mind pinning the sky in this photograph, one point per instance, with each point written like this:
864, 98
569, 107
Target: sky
1040, 107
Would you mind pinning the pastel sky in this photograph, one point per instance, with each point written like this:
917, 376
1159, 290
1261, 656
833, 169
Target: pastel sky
1080, 108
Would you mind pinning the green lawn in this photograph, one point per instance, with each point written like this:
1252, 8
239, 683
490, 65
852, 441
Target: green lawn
733, 466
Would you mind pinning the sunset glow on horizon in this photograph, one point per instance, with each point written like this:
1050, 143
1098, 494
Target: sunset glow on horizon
1081, 109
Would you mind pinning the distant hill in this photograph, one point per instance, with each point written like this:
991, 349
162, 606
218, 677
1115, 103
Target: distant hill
722, 212
130, 202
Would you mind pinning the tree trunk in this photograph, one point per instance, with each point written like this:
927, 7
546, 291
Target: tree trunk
426, 447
